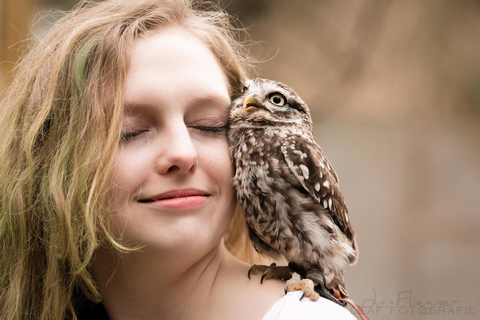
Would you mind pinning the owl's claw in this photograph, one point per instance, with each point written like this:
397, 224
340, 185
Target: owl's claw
304, 285
263, 276
271, 272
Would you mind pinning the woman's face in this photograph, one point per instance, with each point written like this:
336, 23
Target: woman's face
173, 170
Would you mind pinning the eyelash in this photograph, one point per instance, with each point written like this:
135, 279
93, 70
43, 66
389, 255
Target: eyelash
127, 136
211, 129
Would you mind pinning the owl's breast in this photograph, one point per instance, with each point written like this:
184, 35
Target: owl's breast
262, 178
276, 206
252, 146
256, 151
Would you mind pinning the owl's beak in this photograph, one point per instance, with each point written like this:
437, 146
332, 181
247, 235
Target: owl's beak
251, 103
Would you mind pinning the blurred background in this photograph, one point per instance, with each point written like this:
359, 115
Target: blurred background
394, 88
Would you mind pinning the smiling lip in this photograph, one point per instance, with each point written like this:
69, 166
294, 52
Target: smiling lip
178, 199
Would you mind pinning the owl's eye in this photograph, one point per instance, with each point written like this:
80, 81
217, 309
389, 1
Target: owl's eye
277, 99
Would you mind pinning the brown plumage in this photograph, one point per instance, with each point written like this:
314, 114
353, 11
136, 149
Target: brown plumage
287, 188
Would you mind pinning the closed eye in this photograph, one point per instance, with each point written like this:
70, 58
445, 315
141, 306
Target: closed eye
215, 129
127, 136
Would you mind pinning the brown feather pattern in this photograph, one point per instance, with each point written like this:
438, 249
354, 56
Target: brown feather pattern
287, 188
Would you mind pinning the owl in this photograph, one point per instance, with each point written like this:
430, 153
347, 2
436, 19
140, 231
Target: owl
288, 190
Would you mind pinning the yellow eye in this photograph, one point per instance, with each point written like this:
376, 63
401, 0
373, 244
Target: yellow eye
277, 99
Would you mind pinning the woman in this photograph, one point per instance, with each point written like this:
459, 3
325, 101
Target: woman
116, 178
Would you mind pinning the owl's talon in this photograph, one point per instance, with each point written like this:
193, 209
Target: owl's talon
304, 285
263, 277
270, 272
303, 296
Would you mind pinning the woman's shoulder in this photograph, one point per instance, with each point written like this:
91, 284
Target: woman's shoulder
291, 307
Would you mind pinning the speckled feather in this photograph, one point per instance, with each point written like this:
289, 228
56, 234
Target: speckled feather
287, 188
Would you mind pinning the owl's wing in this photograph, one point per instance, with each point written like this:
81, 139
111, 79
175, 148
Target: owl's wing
314, 172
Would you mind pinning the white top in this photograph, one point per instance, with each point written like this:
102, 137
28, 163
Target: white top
291, 307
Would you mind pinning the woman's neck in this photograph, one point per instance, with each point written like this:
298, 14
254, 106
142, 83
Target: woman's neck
140, 286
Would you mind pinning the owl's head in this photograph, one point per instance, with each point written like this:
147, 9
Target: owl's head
268, 102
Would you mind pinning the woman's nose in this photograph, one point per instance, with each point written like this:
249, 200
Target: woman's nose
180, 154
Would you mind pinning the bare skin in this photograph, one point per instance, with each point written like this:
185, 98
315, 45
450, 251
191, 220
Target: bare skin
216, 287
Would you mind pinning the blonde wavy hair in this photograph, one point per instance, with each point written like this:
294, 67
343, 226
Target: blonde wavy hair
59, 126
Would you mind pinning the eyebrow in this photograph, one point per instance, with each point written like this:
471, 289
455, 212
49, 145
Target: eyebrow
203, 100
210, 99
